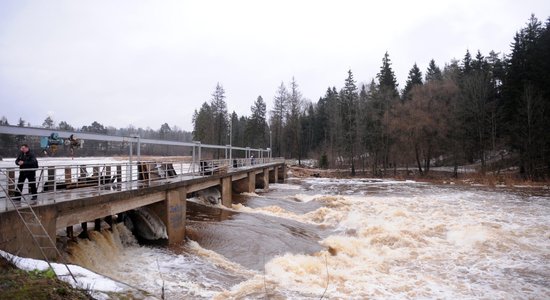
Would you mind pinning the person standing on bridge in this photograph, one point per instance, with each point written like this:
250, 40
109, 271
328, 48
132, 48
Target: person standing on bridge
27, 171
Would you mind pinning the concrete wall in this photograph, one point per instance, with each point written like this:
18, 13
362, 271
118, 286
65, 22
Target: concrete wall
15, 238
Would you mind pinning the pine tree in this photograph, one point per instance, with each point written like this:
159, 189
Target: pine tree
277, 121
386, 77
203, 129
220, 116
293, 126
414, 79
349, 108
257, 126
467, 63
433, 72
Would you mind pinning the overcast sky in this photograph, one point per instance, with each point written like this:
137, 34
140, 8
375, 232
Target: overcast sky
149, 62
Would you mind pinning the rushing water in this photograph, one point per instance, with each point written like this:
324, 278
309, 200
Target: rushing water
346, 239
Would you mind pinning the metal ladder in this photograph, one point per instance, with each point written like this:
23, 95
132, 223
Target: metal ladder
25, 213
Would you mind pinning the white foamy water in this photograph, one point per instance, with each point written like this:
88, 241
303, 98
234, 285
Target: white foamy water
386, 239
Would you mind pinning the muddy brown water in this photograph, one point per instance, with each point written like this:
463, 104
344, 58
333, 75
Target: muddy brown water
387, 239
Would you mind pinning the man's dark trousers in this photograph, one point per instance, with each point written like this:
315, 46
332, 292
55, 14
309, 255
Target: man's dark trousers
23, 175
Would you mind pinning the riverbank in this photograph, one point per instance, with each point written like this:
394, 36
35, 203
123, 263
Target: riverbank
19, 284
434, 176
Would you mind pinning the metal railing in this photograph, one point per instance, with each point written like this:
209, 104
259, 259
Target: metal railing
53, 182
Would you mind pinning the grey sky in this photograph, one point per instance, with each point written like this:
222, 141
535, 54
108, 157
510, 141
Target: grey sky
149, 62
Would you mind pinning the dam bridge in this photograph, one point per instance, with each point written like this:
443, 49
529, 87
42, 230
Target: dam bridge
74, 195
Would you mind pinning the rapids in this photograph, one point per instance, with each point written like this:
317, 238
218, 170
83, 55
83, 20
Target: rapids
345, 239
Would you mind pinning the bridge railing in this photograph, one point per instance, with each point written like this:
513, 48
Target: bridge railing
101, 178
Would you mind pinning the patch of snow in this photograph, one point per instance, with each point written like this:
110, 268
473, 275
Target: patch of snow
86, 279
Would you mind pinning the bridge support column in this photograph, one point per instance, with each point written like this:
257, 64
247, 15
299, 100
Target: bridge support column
262, 180
273, 175
172, 213
266, 179
245, 185
281, 173
226, 191
251, 182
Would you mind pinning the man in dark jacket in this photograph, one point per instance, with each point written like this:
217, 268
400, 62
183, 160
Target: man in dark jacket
27, 164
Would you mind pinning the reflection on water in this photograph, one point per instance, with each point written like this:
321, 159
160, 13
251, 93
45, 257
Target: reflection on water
355, 239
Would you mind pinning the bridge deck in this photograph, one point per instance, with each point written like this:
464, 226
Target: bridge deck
66, 195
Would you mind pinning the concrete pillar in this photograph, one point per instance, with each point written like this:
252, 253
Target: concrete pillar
245, 185
262, 179
172, 213
266, 179
259, 180
273, 175
251, 181
226, 191
176, 207
281, 173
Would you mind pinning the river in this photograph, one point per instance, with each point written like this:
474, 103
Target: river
345, 239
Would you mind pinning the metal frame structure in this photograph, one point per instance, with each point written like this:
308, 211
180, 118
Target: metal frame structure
34, 131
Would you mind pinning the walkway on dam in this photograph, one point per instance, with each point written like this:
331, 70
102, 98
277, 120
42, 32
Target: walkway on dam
100, 189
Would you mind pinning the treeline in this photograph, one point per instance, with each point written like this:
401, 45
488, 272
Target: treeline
10, 144
489, 109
